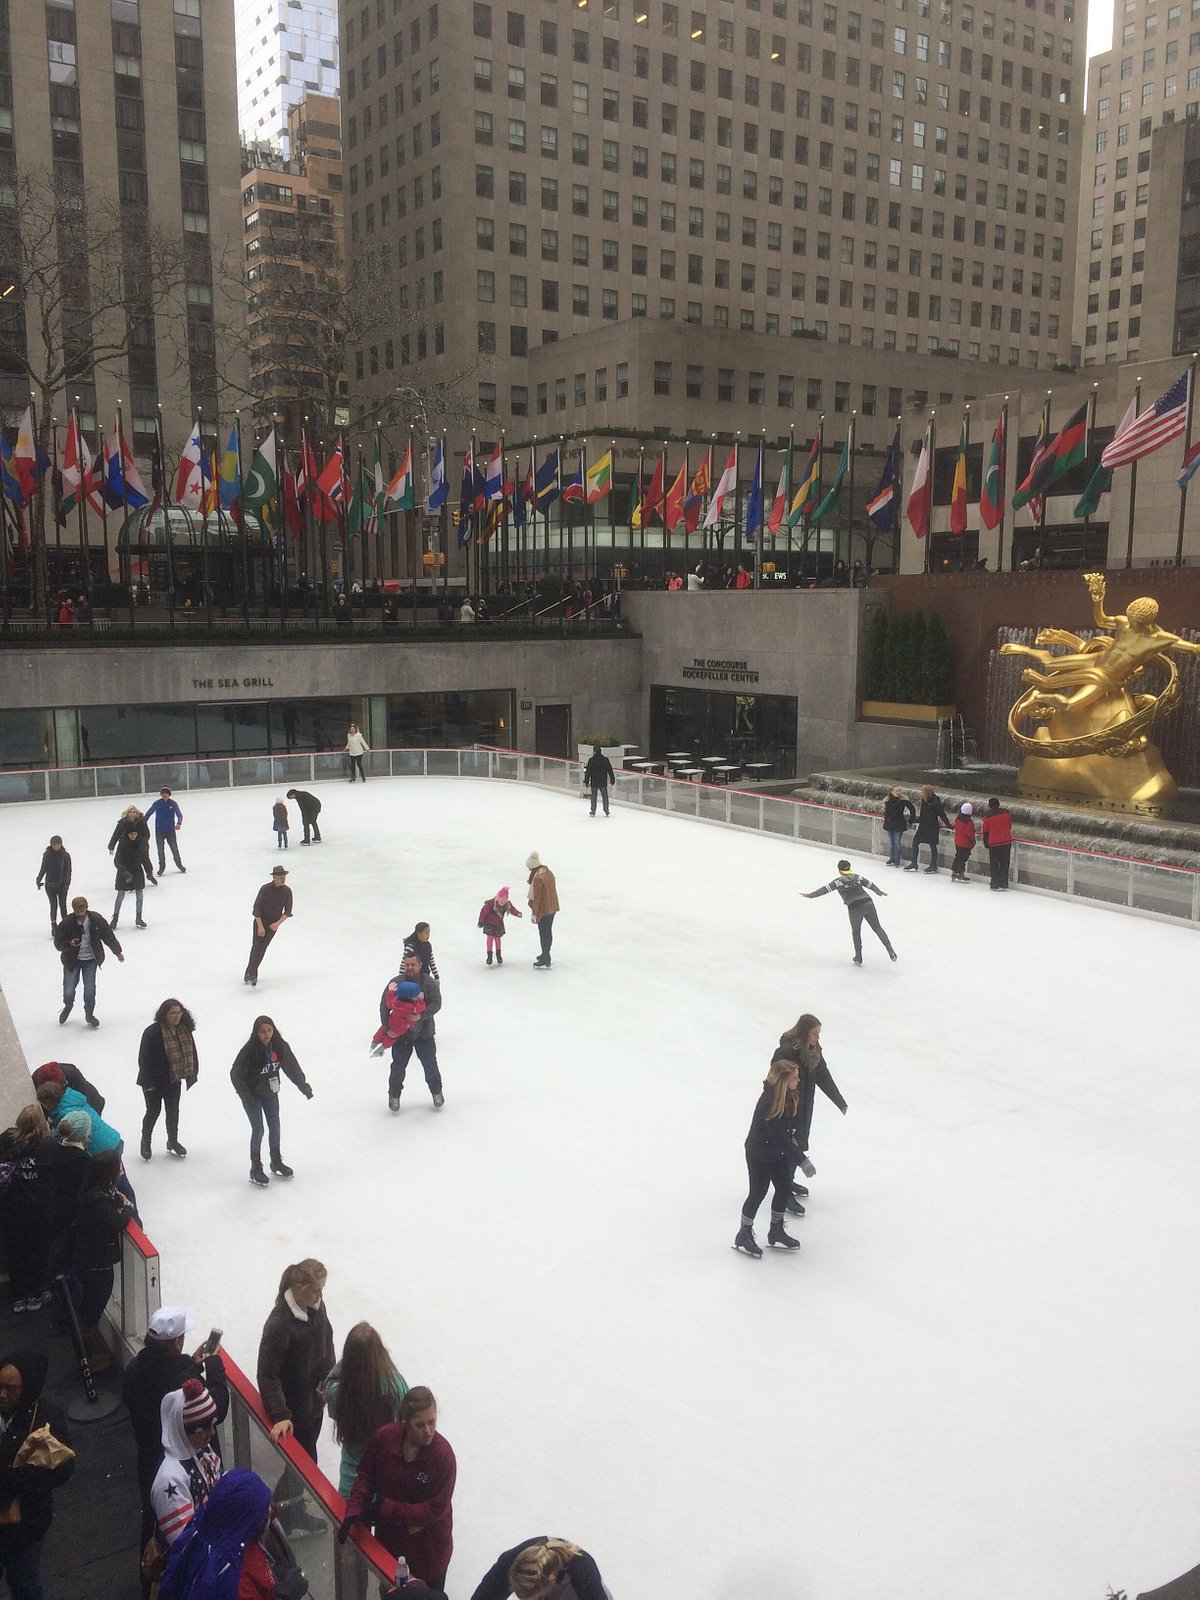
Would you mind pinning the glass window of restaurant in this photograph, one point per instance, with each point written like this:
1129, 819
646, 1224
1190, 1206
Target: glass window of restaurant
741, 727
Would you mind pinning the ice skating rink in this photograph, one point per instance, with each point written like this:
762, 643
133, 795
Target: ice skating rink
978, 1378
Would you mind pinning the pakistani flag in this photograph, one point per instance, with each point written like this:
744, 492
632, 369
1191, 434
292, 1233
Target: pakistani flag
261, 484
828, 506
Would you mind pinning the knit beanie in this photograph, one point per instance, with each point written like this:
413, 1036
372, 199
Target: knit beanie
51, 1072
502, 895
966, 808
199, 1408
75, 1126
534, 861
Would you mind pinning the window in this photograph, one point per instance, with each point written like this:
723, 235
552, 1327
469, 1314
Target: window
662, 377
483, 21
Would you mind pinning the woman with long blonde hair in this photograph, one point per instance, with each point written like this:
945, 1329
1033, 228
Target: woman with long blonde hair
543, 1569
771, 1156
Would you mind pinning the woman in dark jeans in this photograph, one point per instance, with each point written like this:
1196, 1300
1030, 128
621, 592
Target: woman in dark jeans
167, 1060
295, 1354
255, 1076
771, 1155
96, 1248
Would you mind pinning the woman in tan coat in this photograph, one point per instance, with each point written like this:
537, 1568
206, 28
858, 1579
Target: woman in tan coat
543, 904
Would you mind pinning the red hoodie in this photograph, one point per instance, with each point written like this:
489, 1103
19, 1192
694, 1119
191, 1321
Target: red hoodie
416, 1519
997, 827
964, 832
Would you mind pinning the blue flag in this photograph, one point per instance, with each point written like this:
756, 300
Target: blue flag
545, 487
754, 505
881, 507
437, 489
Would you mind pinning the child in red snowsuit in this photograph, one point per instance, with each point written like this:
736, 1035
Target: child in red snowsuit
964, 842
405, 1005
491, 920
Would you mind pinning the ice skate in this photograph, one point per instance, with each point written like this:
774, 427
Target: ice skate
376, 1050
746, 1242
779, 1238
793, 1207
489, 958
394, 1104
176, 1149
499, 959
280, 1167
259, 1177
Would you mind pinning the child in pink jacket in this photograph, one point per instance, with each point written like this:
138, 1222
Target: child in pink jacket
491, 920
405, 1005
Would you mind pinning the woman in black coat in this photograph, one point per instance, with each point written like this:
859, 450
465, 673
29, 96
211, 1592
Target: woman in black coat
27, 1207
167, 1060
130, 874
898, 814
95, 1248
295, 1354
542, 1566
930, 820
802, 1044
771, 1155
27, 1490
255, 1076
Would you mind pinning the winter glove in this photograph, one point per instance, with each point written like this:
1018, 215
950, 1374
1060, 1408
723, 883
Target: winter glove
307, 1091
373, 1510
807, 1168
344, 1531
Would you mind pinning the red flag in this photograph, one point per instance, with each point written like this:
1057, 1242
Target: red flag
697, 496
920, 493
331, 486
676, 494
652, 505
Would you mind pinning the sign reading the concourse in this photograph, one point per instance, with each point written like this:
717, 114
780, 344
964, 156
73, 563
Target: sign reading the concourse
711, 669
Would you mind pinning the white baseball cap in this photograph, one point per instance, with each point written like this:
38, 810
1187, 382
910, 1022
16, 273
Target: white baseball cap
169, 1322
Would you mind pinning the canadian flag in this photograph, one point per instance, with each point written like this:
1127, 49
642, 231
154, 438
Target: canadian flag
918, 497
189, 480
726, 485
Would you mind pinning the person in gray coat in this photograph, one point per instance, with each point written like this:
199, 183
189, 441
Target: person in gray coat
420, 1037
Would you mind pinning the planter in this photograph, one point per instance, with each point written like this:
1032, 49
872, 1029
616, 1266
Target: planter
614, 752
898, 711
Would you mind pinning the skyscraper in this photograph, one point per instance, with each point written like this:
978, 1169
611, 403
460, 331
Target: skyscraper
285, 49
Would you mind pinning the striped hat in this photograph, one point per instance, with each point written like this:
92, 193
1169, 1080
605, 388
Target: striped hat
199, 1408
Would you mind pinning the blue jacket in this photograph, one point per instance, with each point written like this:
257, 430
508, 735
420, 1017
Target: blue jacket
103, 1135
167, 816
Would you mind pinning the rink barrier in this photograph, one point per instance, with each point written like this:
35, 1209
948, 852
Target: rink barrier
1146, 888
350, 1571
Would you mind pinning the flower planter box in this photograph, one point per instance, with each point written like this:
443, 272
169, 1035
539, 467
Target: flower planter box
614, 752
898, 711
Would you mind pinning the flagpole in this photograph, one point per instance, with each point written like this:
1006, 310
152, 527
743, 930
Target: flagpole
444, 522
1088, 425
897, 492
850, 499
1187, 445
787, 498
37, 525
58, 507
166, 515
125, 520
281, 529
1003, 484
1137, 411
929, 491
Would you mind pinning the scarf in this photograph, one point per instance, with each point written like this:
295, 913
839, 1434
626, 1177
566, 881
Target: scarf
181, 1052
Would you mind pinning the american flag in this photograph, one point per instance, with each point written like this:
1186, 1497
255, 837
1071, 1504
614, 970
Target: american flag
1165, 419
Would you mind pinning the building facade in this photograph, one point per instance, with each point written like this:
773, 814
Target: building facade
119, 132
285, 50
792, 170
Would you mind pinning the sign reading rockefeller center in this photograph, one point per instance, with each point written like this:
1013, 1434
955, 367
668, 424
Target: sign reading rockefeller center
712, 670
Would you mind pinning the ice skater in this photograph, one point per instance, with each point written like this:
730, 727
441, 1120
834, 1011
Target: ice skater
420, 1037
168, 819
131, 817
543, 904
964, 842
279, 821
997, 837
931, 819
802, 1044
771, 1156
80, 940
356, 748
597, 776
130, 875
54, 875
310, 810
491, 919
255, 1076
405, 1006
853, 888
541, 1567
272, 908
417, 944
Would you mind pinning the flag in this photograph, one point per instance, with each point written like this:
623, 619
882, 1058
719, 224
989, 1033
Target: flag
122, 483
231, 471
437, 489
466, 497
358, 513
379, 483
293, 512
1101, 480
599, 478
545, 486
754, 500
881, 507
157, 480
697, 496
331, 481
673, 505
652, 504
212, 483
726, 485
828, 506
399, 496
991, 493
1053, 460
262, 482
779, 504
189, 480
495, 516
1189, 465
1165, 419
522, 494
808, 491
920, 493
493, 481
25, 456
572, 486
958, 489
71, 471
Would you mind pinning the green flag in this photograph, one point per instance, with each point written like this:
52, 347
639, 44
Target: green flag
359, 513
828, 506
262, 483
1099, 484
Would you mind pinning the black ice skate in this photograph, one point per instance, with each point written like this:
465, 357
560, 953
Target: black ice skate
779, 1238
746, 1242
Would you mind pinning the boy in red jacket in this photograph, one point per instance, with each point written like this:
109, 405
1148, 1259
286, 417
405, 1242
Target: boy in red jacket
964, 842
997, 837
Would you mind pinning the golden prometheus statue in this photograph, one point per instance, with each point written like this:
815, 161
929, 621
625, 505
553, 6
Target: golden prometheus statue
1090, 745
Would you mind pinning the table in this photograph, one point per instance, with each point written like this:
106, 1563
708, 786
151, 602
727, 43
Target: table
689, 774
679, 755
758, 769
654, 767
711, 761
724, 774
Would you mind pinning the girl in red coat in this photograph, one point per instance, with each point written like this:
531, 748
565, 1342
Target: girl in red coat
404, 1485
491, 920
964, 842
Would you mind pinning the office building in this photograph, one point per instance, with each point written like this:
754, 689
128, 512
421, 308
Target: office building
285, 50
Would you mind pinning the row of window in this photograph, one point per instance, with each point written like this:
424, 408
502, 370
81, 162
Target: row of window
1112, 332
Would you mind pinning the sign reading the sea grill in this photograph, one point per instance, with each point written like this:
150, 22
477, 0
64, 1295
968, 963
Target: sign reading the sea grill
712, 670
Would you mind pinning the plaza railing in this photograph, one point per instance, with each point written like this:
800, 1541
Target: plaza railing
1147, 887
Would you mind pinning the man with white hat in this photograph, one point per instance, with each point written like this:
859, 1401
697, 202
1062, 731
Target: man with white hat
160, 1367
272, 908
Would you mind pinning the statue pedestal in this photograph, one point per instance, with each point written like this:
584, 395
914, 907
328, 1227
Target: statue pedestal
1137, 783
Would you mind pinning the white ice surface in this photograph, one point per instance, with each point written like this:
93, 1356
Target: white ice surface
978, 1378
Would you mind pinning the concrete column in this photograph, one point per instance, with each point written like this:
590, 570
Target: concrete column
375, 720
62, 743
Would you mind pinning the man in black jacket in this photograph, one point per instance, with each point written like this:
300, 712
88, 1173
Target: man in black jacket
160, 1367
420, 1037
80, 940
272, 908
597, 775
55, 874
310, 810
853, 888
26, 1490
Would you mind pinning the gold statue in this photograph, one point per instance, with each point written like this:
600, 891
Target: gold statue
1091, 744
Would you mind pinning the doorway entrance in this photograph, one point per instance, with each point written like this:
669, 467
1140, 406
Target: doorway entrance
552, 731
